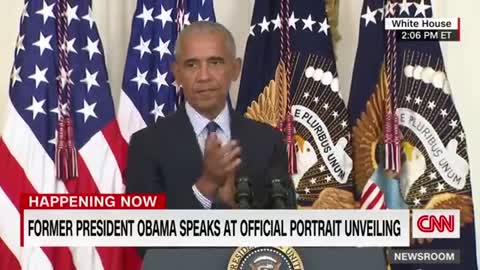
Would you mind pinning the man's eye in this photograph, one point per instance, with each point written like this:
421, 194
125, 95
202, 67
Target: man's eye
216, 62
191, 65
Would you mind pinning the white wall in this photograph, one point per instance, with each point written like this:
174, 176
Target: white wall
236, 15
114, 23
462, 59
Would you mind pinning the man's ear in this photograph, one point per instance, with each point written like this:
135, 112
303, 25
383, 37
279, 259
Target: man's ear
176, 72
237, 68
174, 68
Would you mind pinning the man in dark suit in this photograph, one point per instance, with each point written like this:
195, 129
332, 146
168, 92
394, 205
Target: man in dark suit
195, 154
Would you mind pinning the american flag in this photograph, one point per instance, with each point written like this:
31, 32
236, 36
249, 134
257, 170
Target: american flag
372, 197
27, 148
149, 88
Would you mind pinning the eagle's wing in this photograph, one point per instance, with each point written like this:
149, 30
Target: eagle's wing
271, 105
368, 132
335, 198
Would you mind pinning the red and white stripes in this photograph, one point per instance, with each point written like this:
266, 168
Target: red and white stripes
372, 197
27, 168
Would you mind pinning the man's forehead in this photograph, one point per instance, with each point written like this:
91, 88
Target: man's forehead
204, 44
204, 32
213, 37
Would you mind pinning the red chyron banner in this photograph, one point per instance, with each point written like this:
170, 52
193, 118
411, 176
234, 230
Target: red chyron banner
88, 201
92, 201
436, 224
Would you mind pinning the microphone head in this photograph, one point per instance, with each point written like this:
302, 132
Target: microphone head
282, 190
243, 195
241, 180
279, 194
276, 181
242, 184
276, 178
277, 185
277, 188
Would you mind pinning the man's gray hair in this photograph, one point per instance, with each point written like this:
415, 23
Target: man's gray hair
203, 27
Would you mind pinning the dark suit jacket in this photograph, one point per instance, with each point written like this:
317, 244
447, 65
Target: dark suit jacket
166, 158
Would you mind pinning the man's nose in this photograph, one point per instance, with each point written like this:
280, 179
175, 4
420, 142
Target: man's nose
203, 72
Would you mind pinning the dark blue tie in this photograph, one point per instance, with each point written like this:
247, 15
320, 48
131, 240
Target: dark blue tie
212, 127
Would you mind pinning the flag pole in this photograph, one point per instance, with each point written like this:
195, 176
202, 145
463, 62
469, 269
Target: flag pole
287, 127
391, 128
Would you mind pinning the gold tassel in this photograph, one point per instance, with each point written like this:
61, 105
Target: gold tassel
332, 9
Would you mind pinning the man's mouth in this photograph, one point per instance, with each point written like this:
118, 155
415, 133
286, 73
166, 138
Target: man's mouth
205, 91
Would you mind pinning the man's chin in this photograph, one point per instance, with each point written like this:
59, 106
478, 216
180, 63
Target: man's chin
209, 107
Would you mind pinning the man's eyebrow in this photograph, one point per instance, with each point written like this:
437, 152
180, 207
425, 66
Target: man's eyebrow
190, 60
216, 58
212, 58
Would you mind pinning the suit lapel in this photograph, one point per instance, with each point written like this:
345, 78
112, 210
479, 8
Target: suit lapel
187, 145
236, 126
240, 133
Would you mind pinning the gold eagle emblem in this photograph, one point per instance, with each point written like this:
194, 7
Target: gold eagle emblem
271, 105
367, 134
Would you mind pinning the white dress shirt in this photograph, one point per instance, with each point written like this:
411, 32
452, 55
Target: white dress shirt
199, 123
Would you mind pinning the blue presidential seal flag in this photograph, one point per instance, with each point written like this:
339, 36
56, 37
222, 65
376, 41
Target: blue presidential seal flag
290, 82
401, 97
274, 258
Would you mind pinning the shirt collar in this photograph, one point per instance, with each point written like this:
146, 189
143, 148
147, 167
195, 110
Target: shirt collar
199, 122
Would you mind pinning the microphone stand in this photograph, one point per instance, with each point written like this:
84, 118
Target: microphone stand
243, 195
279, 194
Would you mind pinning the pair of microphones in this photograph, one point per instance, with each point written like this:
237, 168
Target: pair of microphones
279, 194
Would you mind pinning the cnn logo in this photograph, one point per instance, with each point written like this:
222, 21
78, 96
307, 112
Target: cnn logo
436, 224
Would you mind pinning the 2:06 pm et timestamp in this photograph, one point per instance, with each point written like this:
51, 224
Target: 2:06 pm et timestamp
428, 35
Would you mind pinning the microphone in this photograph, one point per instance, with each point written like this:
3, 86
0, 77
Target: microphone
243, 196
279, 194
